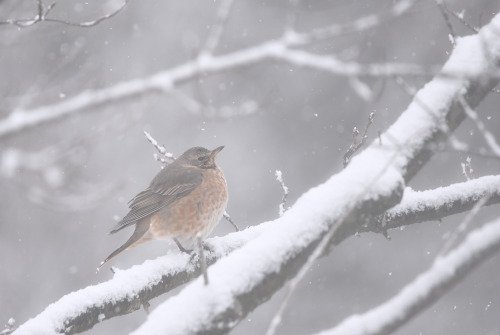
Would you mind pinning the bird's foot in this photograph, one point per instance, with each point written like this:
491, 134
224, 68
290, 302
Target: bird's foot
182, 249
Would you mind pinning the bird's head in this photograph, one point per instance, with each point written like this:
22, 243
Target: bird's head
200, 157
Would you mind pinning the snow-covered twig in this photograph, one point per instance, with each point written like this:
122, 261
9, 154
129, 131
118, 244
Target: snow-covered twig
355, 146
428, 287
279, 178
43, 13
166, 157
9, 327
467, 170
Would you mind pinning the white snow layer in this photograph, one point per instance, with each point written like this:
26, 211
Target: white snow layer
442, 272
125, 284
413, 201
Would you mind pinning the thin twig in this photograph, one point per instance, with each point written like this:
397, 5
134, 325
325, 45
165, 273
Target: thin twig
166, 157
461, 19
462, 227
203, 261
279, 178
322, 247
444, 12
228, 218
355, 146
43, 12
467, 170
488, 136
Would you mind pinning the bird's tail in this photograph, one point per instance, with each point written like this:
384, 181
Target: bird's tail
141, 229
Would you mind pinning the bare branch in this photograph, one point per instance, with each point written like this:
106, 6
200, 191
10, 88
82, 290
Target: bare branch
444, 12
42, 16
228, 218
488, 136
462, 227
460, 18
355, 146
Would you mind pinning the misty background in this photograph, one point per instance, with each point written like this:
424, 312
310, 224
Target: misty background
65, 183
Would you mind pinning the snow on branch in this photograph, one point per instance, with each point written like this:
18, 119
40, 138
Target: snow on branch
266, 256
44, 11
427, 288
370, 185
358, 25
129, 289
113, 298
436, 204
281, 49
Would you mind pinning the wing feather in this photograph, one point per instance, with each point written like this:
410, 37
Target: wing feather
169, 185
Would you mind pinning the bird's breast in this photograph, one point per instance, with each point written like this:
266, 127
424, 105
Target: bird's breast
197, 213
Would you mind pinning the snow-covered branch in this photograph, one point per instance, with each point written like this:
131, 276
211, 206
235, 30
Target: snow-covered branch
282, 50
100, 302
428, 287
263, 262
436, 204
129, 289
372, 183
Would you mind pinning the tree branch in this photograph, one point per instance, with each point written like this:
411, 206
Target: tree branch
431, 205
109, 299
206, 64
43, 12
369, 186
427, 288
277, 250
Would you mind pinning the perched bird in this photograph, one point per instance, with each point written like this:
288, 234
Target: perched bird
188, 197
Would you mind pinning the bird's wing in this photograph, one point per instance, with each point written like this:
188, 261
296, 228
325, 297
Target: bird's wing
170, 184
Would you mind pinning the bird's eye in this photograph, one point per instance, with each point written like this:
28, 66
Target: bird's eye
202, 158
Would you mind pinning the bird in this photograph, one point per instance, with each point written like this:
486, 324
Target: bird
183, 202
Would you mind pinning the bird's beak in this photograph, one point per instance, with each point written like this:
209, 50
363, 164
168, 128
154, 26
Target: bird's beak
216, 151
